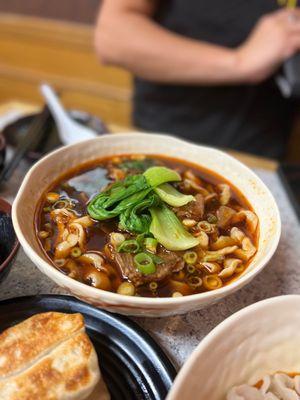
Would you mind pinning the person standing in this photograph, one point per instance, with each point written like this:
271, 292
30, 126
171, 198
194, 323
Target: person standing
204, 69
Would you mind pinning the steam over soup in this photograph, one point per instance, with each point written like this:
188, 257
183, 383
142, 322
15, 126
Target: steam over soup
147, 226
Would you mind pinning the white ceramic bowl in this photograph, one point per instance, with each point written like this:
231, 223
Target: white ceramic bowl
42, 174
261, 339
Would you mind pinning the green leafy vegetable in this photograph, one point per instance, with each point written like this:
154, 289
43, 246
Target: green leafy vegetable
144, 263
169, 231
135, 197
136, 217
136, 165
172, 196
131, 199
118, 197
155, 176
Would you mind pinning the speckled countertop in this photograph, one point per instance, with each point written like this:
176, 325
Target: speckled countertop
179, 335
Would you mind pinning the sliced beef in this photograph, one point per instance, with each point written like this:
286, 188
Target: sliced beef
124, 261
224, 215
192, 210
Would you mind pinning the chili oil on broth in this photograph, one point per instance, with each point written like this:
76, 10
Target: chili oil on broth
79, 185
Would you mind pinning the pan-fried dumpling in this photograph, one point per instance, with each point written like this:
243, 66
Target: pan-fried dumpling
49, 357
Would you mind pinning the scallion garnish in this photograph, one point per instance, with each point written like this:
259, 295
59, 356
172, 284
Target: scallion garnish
144, 263
151, 244
129, 246
190, 257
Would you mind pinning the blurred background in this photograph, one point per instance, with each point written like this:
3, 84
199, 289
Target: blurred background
52, 41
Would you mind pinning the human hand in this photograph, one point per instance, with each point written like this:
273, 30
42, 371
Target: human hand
275, 38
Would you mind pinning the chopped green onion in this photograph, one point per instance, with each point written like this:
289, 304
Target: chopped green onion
47, 226
76, 252
177, 294
156, 176
151, 244
190, 257
129, 246
195, 282
153, 286
61, 204
191, 269
117, 239
126, 289
172, 196
144, 264
212, 219
43, 234
140, 239
47, 209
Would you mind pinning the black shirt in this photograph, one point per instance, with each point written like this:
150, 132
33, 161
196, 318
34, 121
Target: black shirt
251, 118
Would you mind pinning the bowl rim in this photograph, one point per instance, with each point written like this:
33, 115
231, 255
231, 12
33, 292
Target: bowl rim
146, 301
217, 331
6, 207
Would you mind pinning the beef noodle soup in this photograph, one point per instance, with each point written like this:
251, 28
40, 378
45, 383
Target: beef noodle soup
147, 226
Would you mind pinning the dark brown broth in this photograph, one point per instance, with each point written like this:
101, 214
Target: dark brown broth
81, 183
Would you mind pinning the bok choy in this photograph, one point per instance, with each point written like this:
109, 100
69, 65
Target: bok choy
118, 197
130, 199
136, 218
155, 176
138, 201
169, 231
172, 196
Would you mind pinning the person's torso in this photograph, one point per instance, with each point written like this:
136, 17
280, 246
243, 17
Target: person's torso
227, 116
224, 22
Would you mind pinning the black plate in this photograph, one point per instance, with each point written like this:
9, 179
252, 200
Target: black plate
133, 365
15, 132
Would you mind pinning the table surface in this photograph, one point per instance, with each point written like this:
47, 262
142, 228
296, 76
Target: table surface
179, 335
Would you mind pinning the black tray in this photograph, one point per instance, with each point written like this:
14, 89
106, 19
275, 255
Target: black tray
133, 365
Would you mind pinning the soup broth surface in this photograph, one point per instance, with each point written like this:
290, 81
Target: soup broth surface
91, 251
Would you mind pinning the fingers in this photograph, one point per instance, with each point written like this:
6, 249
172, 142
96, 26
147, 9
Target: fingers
293, 45
289, 19
295, 41
289, 16
293, 30
285, 13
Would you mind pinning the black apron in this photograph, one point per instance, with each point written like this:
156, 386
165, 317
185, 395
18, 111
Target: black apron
252, 118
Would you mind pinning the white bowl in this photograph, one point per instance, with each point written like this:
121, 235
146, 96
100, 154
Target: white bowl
42, 174
261, 339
